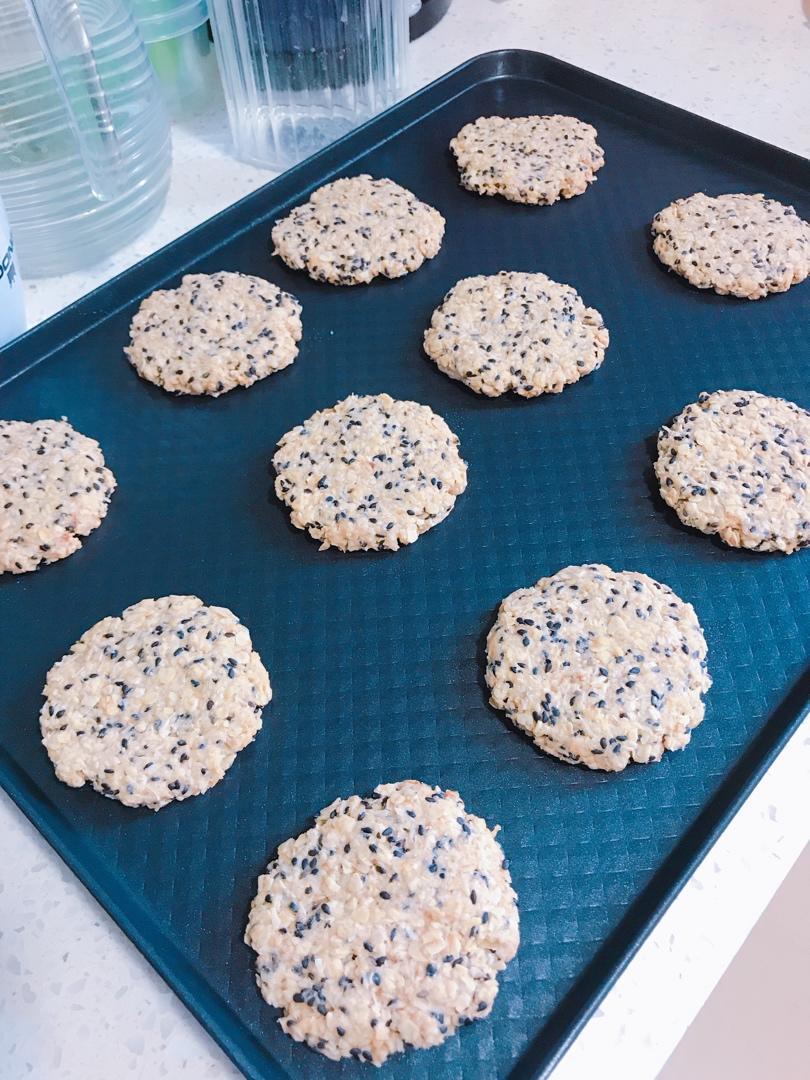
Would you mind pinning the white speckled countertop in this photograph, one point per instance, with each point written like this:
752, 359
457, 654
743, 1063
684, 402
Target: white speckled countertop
76, 998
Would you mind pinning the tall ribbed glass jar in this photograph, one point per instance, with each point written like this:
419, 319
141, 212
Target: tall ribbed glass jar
299, 73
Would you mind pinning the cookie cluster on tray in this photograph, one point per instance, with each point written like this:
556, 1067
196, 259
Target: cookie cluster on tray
386, 924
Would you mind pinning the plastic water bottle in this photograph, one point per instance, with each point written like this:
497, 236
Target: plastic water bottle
12, 307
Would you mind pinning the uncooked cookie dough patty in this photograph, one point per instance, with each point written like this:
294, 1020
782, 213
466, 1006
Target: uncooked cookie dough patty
737, 463
599, 667
528, 159
515, 331
742, 245
214, 332
54, 489
385, 925
357, 228
369, 473
154, 705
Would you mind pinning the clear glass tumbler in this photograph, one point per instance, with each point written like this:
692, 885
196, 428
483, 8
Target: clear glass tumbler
299, 73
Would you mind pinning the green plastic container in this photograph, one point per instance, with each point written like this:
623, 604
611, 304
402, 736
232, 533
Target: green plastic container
179, 46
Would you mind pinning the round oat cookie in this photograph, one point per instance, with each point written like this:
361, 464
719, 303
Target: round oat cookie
370, 473
528, 159
214, 332
54, 489
599, 667
738, 245
384, 925
737, 463
357, 228
154, 705
515, 331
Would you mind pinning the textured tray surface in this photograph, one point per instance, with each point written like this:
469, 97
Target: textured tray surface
377, 660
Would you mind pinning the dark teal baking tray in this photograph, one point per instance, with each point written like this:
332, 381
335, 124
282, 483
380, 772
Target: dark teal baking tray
377, 659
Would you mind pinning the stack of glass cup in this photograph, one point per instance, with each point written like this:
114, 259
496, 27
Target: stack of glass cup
85, 150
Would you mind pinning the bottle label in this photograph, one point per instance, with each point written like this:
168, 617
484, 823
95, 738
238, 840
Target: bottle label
8, 268
12, 307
